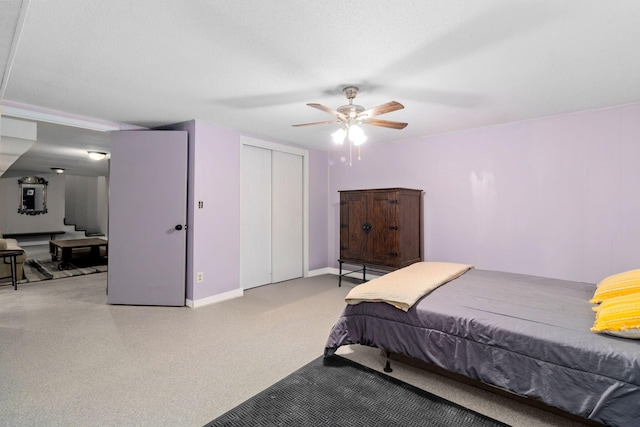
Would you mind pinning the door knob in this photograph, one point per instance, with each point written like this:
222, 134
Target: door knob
178, 227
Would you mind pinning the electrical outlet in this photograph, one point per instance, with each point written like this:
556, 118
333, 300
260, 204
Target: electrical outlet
200, 277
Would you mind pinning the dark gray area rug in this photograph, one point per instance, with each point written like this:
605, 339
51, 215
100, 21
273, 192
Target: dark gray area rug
339, 392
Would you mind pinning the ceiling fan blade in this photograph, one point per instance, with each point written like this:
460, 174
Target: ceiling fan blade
328, 110
382, 109
317, 123
385, 123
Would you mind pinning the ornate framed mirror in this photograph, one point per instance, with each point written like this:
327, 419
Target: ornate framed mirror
33, 195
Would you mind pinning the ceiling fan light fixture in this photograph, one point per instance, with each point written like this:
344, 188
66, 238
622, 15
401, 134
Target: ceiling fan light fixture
97, 155
356, 135
338, 136
351, 116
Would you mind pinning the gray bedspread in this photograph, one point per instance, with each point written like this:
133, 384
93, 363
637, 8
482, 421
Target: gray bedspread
529, 335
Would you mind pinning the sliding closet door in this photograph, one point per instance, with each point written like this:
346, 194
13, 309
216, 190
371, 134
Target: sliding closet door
255, 233
287, 203
272, 222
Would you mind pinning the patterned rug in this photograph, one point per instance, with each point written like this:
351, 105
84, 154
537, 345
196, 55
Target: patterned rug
339, 392
36, 270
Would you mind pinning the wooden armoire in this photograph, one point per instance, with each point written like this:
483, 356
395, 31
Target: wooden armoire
381, 228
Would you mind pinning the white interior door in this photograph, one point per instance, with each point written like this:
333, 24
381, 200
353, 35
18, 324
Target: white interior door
287, 214
255, 243
147, 205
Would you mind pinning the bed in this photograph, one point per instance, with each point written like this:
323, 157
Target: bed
524, 334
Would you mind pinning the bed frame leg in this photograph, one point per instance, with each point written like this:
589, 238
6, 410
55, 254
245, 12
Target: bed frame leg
387, 367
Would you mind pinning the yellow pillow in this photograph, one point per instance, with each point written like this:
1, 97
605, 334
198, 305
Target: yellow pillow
617, 285
619, 316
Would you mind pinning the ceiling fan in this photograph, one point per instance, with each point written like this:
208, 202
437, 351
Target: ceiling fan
352, 114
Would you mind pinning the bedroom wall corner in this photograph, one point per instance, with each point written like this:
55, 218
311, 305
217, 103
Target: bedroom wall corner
318, 215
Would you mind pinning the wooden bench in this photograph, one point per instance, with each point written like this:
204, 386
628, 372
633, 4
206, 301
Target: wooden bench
33, 233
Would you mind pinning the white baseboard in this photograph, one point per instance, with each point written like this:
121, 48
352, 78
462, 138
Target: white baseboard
333, 270
236, 293
321, 271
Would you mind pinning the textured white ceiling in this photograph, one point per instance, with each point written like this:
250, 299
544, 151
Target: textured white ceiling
253, 65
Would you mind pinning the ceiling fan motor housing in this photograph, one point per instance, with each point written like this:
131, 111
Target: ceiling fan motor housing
350, 92
351, 110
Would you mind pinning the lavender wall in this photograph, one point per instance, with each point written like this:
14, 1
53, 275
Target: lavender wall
213, 245
554, 197
215, 231
213, 236
318, 218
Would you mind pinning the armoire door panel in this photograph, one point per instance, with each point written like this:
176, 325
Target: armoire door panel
383, 240
344, 227
353, 209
